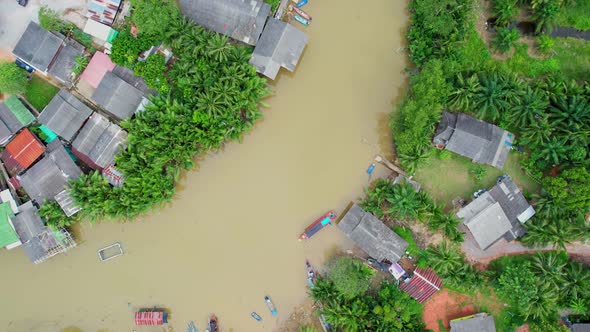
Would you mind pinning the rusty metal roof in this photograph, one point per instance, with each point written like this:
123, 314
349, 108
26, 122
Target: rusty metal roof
25, 148
423, 284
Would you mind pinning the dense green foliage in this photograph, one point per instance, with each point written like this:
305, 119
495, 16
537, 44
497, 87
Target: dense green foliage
50, 20
505, 11
154, 17
274, 4
350, 276
505, 39
576, 14
536, 286
401, 202
386, 309
81, 63
450, 264
126, 48
152, 70
545, 13
13, 79
214, 97
53, 215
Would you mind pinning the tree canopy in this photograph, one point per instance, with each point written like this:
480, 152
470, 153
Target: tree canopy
13, 79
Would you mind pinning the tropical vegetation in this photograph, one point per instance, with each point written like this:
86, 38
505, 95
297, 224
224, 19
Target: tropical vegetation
13, 79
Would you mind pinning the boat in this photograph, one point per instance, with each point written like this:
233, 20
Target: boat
191, 327
300, 12
256, 316
213, 327
151, 317
301, 3
300, 19
317, 225
371, 169
311, 275
110, 252
270, 305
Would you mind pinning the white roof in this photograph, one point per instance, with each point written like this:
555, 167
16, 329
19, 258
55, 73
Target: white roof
526, 215
97, 30
489, 225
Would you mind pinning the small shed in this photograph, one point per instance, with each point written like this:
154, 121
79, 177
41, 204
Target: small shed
103, 11
13, 117
38, 47
481, 322
50, 175
422, 285
242, 20
102, 32
372, 236
98, 66
67, 204
8, 236
62, 68
22, 151
119, 98
280, 45
65, 115
114, 176
99, 142
39, 241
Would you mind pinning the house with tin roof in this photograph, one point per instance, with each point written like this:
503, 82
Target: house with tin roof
22, 152
39, 241
481, 322
477, 140
372, 235
8, 237
48, 52
422, 284
50, 176
103, 11
118, 97
280, 45
65, 115
99, 142
14, 116
498, 213
242, 20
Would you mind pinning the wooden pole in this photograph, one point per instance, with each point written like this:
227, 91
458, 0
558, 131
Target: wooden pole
389, 165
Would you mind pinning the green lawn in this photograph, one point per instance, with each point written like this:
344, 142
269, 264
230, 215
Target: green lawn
573, 56
40, 92
448, 178
575, 15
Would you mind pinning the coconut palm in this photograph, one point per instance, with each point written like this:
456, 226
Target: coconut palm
550, 267
404, 202
553, 151
545, 12
571, 112
577, 282
530, 108
491, 97
218, 48
505, 11
465, 90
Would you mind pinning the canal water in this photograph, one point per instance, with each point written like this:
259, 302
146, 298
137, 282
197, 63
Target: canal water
229, 237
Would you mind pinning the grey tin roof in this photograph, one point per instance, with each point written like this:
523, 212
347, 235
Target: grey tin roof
65, 115
581, 327
371, 235
129, 76
9, 124
37, 239
482, 322
61, 69
37, 47
480, 141
50, 175
100, 140
488, 213
280, 45
242, 20
117, 97
67, 204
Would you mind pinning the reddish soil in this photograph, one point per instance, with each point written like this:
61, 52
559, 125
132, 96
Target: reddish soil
446, 306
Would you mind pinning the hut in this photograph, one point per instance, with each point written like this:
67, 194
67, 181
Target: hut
280, 45
65, 115
22, 152
422, 285
38, 47
62, 67
372, 236
99, 142
119, 98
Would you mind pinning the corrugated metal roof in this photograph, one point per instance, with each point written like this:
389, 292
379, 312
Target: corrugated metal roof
19, 110
37, 47
98, 66
25, 148
100, 31
423, 285
65, 115
103, 10
7, 233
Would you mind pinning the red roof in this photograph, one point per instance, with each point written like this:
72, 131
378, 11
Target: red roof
98, 66
150, 318
24, 149
423, 285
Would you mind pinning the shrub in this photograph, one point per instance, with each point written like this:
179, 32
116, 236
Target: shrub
82, 37
152, 70
545, 44
13, 79
505, 39
505, 11
50, 20
350, 276
81, 63
478, 171
126, 48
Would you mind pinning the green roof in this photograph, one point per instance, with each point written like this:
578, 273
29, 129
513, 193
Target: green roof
20, 111
7, 233
49, 134
112, 35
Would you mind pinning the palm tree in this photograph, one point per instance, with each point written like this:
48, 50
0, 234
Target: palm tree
219, 48
542, 305
577, 284
550, 266
490, 99
554, 151
537, 133
545, 12
530, 107
505, 11
404, 202
571, 112
465, 90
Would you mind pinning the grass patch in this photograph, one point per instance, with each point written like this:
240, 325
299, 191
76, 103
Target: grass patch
449, 177
520, 62
415, 251
40, 92
274, 4
574, 56
575, 15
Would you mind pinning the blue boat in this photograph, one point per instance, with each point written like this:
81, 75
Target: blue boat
270, 305
301, 3
300, 19
256, 316
371, 169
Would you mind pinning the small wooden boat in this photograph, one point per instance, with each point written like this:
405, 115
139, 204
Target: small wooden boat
110, 252
300, 12
301, 3
317, 225
270, 305
256, 316
151, 317
213, 326
300, 19
311, 275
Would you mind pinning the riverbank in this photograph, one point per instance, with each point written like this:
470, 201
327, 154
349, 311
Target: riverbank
229, 237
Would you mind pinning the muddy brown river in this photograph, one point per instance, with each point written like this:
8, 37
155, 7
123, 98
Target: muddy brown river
230, 235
